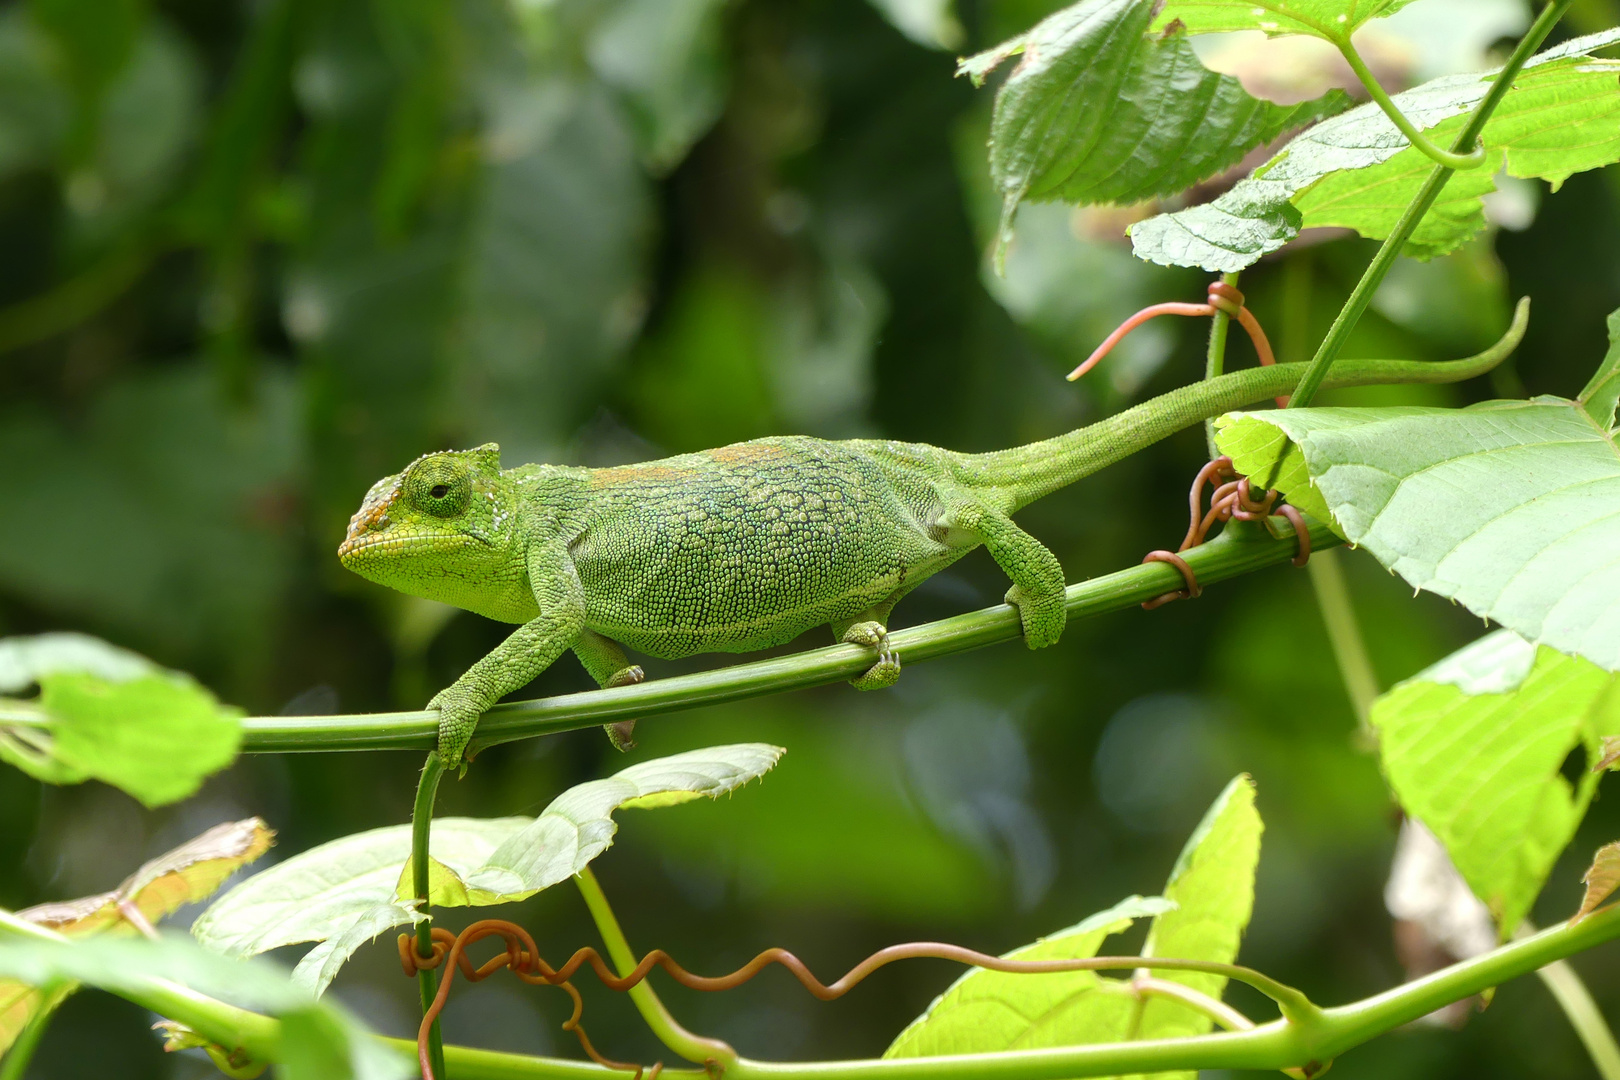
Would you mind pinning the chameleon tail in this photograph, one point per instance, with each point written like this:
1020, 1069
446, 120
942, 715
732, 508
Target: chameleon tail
1023, 474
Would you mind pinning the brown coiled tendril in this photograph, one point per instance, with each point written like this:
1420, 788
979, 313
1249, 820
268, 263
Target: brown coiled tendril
1231, 500
524, 960
1222, 297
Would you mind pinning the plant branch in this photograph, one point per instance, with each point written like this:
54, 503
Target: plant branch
427, 979
1235, 552
692, 1047
1362, 295
1220, 324
1450, 159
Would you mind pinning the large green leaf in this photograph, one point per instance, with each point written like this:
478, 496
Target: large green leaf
109, 714
320, 1041
1511, 508
1329, 19
1473, 747
346, 892
1100, 111
1202, 916
1212, 886
1561, 117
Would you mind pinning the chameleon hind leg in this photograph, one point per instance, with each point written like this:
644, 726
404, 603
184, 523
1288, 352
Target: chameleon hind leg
870, 628
606, 662
1037, 576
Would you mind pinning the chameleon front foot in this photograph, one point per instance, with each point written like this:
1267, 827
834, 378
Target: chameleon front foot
1043, 615
884, 673
621, 733
458, 718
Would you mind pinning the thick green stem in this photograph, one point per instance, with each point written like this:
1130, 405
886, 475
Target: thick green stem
713, 1054
1227, 556
1472, 159
1362, 295
427, 979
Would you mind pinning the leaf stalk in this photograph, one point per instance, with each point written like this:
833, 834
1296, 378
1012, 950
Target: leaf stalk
1449, 159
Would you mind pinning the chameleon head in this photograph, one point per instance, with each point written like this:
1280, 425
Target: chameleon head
443, 529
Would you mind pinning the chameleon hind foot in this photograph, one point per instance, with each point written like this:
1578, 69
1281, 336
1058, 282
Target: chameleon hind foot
884, 673
621, 733
1043, 615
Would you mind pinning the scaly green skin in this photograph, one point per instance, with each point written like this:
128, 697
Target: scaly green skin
750, 545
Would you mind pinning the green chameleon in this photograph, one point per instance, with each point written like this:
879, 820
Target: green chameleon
750, 545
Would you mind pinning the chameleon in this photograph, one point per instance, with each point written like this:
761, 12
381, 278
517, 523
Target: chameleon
748, 546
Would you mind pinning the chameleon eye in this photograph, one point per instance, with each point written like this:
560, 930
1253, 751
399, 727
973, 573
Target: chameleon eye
439, 491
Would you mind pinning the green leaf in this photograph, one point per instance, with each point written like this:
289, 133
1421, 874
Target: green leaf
991, 1010
1100, 111
1510, 508
1212, 886
1473, 748
1327, 19
1603, 389
1357, 171
1202, 915
319, 1041
108, 714
346, 892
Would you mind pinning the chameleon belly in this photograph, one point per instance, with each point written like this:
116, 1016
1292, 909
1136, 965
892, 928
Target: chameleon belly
747, 546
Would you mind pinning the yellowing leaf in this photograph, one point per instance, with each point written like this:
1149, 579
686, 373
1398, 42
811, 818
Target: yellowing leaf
1601, 879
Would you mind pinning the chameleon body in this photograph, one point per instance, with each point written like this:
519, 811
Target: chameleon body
750, 545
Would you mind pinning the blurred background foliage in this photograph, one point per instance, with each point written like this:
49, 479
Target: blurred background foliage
263, 252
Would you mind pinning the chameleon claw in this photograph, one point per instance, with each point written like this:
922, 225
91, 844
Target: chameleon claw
621, 733
884, 673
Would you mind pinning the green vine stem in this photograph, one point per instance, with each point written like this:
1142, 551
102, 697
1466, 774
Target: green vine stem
427, 979
1449, 159
1220, 325
1146, 986
715, 1055
1362, 295
1276, 1045
1576, 1001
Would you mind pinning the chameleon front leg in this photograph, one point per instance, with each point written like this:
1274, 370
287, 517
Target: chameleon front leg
529, 650
1037, 576
606, 662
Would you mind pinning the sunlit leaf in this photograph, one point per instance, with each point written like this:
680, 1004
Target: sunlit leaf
1100, 111
992, 1010
319, 1041
1358, 171
1212, 887
1202, 915
1601, 879
346, 892
1510, 508
1327, 19
107, 714
1474, 746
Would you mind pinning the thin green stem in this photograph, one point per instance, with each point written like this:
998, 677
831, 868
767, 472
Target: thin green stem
711, 1053
427, 979
1344, 634
1218, 1011
1232, 554
1584, 1016
1362, 295
1472, 159
1215, 357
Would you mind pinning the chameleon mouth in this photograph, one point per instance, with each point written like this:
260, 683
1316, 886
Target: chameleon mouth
368, 547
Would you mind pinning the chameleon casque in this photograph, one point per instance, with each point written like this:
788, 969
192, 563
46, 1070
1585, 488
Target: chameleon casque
750, 545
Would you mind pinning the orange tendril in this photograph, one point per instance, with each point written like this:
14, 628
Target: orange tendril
1222, 297
1231, 499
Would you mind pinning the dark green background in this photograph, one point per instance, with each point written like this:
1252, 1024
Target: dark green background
259, 254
